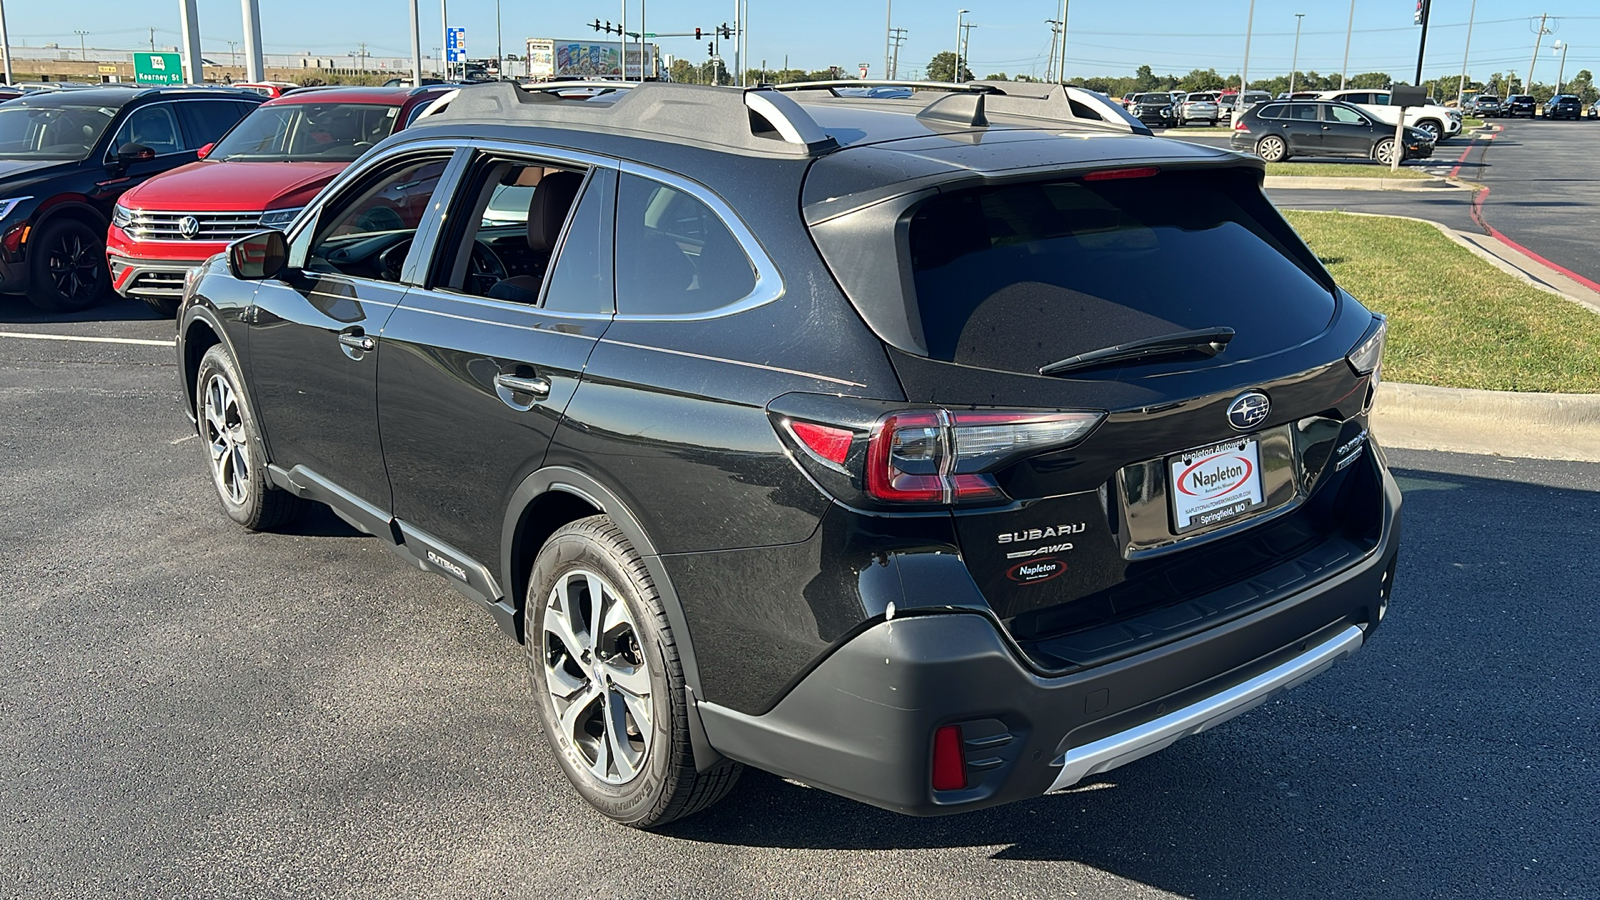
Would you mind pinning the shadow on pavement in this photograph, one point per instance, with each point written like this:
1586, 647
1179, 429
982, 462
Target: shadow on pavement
1456, 755
16, 310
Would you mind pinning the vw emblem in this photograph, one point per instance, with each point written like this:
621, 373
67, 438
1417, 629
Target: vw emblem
1248, 410
188, 226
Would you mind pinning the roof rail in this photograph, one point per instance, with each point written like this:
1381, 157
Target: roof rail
758, 121
1022, 99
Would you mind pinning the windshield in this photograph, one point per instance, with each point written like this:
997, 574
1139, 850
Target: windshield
51, 132
1155, 98
300, 132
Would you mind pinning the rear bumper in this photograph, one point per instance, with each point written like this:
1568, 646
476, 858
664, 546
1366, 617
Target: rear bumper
861, 724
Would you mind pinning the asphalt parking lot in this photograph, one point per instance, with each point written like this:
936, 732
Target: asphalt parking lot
192, 710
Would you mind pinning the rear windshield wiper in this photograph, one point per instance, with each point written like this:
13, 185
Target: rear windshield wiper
1209, 341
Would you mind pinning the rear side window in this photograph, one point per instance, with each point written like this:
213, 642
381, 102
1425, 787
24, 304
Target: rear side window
1272, 111
674, 254
1019, 276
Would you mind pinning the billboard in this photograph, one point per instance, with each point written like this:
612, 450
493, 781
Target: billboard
549, 58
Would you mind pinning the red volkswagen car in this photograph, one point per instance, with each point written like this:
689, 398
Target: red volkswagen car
258, 175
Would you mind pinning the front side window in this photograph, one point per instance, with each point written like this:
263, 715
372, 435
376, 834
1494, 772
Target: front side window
303, 132
675, 255
151, 126
367, 230
1345, 114
207, 120
51, 132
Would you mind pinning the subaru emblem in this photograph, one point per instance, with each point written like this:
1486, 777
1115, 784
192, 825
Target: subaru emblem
188, 226
1248, 410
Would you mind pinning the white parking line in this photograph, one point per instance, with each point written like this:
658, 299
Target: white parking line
189, 437
85, 339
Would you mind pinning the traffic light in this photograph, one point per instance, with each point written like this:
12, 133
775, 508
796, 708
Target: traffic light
711, 48
726, 31
697, 34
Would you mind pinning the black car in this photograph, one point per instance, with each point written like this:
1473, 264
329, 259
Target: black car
886, 445
1519, 105
65, 158
1564, 106
1155, 108
1277, 131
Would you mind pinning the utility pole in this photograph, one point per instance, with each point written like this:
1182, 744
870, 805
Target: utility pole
1298, 18
5, 41
1061, 63
624, 36
1561, 76
894, 63
1422, 44
152, 39
1461, 89
966, 41
1055, 35
254, 70
499, 45
1538, 38
416, 46
83, 54
960, 13
888, 36
1244, 70
362, 56
189, 21
1344, 70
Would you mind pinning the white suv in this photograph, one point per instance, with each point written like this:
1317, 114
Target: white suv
1442, 121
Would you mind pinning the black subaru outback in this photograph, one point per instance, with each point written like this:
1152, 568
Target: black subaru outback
878, 443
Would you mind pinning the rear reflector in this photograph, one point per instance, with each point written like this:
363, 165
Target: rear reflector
1118, 174
949, 760
832, 444
1240, 126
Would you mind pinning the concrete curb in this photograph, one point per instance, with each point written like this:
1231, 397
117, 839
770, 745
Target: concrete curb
1318, 183
1498, 423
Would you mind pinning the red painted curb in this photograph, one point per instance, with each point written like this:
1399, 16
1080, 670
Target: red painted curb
1477, 216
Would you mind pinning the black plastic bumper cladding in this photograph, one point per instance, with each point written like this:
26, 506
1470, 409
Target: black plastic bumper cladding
861, 723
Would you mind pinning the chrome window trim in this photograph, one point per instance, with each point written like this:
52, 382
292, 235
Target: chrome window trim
768, 286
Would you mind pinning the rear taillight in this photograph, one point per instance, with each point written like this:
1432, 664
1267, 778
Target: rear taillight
949, 760
937, 456
1241, 126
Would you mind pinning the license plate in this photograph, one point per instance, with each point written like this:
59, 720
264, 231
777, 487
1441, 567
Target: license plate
1211, 485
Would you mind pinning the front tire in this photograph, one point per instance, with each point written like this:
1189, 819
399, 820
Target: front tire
68, 272
1272, 149
608, 682
1383, 151
232, 440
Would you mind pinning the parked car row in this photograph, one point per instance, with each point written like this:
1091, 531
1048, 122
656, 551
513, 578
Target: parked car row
128, 188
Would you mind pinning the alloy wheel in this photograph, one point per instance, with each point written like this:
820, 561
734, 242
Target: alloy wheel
1385, 152
1271, 148
224, 431
598, 677
72, 265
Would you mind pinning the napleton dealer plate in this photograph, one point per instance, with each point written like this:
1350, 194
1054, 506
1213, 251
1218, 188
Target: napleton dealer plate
1216, 483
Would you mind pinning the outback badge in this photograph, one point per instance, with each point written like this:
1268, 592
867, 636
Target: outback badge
1248, 410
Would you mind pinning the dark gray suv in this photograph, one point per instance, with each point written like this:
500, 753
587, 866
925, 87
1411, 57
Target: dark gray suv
881, 443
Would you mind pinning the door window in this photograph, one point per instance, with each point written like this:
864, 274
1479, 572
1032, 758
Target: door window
1345, 114
1303, 112
207, 120
367, 231
674, 254
153, 126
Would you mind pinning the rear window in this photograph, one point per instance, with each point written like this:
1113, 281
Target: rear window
1019, 276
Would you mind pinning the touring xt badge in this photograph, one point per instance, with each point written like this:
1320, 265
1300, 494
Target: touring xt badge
1248, 410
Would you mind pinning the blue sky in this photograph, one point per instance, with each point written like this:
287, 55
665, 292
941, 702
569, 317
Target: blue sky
1105, 37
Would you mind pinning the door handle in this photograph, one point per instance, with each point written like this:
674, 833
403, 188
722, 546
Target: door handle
538, 385
356, 340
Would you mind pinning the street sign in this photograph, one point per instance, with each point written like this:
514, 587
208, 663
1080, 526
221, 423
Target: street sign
157, 68
649, 34
863, 70
455, 45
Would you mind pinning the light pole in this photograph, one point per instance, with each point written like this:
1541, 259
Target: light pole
444, 41
499, 45
5, 41
1244, 70
960, 14
1461, 90
1349, 29
1061, 63
1561, 75
416, 46
888, 35
1295, 60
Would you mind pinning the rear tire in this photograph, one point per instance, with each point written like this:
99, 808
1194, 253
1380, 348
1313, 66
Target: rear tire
232, 441
1272, 149
608, 682
68, 270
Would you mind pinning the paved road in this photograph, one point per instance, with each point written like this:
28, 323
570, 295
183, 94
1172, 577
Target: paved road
190, 710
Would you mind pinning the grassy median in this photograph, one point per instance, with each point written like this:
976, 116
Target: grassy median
1342, 170
1455, 320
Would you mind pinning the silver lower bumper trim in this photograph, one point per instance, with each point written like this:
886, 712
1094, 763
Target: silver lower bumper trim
1120, 749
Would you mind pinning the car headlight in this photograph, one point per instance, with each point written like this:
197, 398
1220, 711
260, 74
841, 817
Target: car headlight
10, 203
1367, 357
121, 216
279, 219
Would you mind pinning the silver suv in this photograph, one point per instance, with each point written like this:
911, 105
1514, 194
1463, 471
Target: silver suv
1200, 106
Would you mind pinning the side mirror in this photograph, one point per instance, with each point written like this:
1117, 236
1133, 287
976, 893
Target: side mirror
259, 256
203, 151
132, 153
